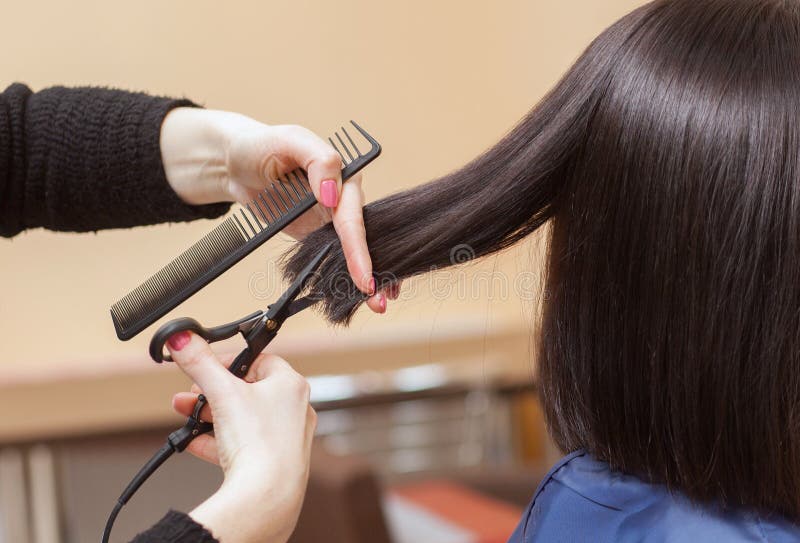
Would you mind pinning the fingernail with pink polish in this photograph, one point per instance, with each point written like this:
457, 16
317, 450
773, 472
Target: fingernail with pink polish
372, 286
178, 341
328, 192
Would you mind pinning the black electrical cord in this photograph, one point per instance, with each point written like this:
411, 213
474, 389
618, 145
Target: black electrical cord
147, 470
176, 442
110, 522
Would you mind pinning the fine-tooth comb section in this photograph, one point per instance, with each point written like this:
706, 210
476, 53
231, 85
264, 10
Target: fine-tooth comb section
246, 229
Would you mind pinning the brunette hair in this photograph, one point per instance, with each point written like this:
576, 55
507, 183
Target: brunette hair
668, 161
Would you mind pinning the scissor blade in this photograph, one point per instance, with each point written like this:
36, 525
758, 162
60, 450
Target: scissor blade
300, 304
297, 286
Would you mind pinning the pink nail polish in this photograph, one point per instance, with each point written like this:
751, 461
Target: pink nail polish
372, 286
328, 192
178, 341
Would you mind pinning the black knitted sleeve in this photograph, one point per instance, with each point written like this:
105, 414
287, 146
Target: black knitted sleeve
175, 527
81, 159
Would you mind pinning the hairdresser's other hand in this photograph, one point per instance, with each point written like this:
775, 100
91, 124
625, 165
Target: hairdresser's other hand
214, 156
263, 429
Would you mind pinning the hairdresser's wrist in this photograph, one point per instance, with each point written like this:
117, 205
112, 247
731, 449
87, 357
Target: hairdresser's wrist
237, 516
195, 145
221, 515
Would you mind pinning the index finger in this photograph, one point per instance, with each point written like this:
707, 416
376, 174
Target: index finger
348, 220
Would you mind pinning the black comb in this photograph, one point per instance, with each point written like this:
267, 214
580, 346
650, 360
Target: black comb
233, 239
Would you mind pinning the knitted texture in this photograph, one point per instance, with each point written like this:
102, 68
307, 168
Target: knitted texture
82, 159
175, 527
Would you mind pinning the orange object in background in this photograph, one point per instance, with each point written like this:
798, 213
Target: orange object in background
477, 517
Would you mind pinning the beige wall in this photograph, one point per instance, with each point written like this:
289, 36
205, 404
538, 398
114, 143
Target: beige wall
436, 82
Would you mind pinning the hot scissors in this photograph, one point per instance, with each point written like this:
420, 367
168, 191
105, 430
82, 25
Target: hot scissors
258, 330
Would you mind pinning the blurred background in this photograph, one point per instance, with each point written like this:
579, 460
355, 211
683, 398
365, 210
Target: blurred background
429, 425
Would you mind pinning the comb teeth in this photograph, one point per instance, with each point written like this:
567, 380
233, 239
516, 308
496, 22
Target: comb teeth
347, 151
234, 238
212, 247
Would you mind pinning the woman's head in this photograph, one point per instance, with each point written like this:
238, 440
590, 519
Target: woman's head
668, 161
671, 342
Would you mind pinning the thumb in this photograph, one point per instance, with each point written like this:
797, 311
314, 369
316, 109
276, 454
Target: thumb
196, 359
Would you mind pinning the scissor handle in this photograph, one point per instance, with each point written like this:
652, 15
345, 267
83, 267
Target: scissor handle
217, 333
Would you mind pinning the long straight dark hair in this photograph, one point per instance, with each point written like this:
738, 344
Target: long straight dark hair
668, 160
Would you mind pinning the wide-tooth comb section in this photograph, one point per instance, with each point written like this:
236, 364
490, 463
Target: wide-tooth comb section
350, 153
247, 228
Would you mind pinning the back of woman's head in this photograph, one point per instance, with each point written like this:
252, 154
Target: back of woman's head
668, 160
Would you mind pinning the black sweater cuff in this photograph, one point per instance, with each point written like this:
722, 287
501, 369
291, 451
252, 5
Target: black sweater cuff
176, 527
80, 159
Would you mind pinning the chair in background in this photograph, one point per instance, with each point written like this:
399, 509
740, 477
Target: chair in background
343, 502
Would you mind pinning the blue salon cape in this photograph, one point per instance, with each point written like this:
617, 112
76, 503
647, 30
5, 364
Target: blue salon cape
582, 500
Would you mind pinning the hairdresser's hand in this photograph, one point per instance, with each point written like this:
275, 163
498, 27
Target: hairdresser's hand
263, 428
213, 156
